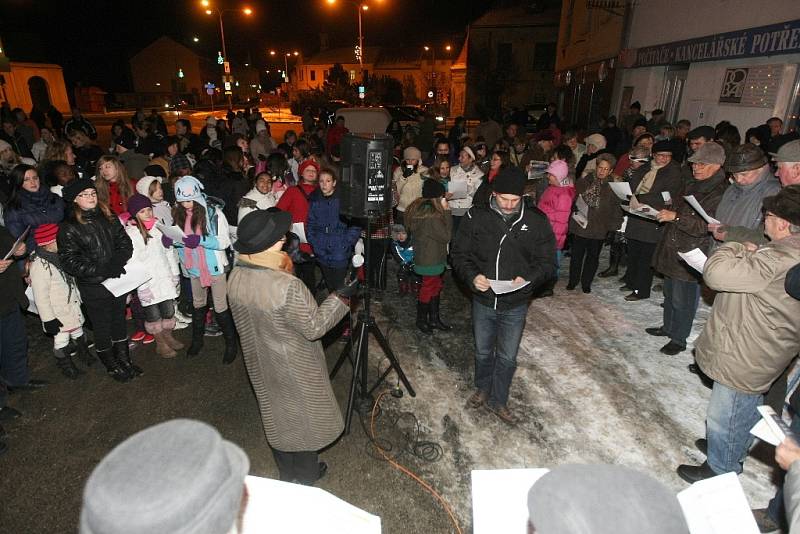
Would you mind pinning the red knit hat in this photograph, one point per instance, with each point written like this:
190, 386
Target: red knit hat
45, 233
305, 164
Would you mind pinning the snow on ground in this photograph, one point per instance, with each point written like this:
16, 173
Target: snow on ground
591, 386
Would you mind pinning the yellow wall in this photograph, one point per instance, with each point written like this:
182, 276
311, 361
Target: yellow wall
587, 35
16, 88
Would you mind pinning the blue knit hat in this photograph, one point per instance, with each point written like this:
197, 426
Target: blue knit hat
189, 188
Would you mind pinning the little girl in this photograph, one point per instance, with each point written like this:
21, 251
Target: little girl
429, 222
58, 301
203, 260
158, 294
556, 203
150, 186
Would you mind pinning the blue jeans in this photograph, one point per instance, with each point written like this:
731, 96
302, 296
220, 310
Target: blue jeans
497, 337
681, 299
13, 352
731, 415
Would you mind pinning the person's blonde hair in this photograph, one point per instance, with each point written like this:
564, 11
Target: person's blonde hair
57, 150
124, 185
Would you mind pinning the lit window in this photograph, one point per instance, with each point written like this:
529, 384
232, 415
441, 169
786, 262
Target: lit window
352, 75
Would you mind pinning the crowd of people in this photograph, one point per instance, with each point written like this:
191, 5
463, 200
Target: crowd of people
235, 226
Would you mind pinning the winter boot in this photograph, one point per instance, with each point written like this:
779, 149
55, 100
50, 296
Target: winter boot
122, 355
615, 254
225, 321
156, 329
168, 325
436, 322
64, 362
84, 353
113, 367
198, 331
423, 309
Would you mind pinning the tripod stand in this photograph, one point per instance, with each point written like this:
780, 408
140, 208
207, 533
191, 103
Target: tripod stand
366, 326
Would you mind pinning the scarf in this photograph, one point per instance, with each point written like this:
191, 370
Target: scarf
51, 259
149, 224
647, 181
592, 194
271, 259
189, 254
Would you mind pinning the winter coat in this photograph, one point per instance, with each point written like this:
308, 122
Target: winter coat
280, 326
86, 250
791, 496
668, 178
56, 296
489, 245
11, 287
556, 203
35, 209
295, 201
689, 231
264, 149
216, 241
331, 239
431, 235
161, 264
741, 209
409, 188
605, 218
474, 178
256, 200
753, 333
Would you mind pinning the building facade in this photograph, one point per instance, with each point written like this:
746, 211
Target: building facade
713, 61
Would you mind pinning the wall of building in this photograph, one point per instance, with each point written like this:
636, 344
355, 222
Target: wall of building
17, 89
587, 35
155, 69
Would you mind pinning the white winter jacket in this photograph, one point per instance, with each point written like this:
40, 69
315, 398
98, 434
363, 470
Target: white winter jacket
473, 177
54, 297
256, 200
160, 262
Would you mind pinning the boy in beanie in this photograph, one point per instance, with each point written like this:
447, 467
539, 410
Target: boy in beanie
58, 301
403, 252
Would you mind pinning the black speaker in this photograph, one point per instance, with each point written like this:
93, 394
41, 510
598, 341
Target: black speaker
365, 185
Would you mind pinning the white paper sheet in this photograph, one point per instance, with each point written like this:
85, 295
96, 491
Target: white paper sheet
506, 286
31, 302
770, 427
500, 499
699, 209
458, 188
19, 240
621, 189
135, 275
717, 506
696, 259
173, 232
582, 215
299, 229
666, 196
642, 210
275, 506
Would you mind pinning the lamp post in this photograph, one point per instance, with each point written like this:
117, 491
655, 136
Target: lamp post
286, 56
210, 11
360, 7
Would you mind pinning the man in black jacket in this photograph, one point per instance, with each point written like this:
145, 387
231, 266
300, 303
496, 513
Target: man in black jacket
506, 241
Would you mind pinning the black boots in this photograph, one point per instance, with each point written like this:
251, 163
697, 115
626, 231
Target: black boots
123, 355
65, 364
423, 309
436, 322
614, 257
113, 367
82, 344
198, 331
225, 321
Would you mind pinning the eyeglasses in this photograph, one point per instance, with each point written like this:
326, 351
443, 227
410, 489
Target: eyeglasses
89, 194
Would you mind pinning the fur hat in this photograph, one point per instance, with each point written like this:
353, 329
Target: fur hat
5, 145
261, 126
596, 139
510, 181
143, 185
786, 204
412, 152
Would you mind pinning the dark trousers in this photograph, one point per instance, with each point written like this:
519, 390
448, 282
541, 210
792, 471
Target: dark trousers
584, 260
456, 223
681, 299
13, 352
301, 467
639, 274
305, 272
333, 276
107, 314
497, 337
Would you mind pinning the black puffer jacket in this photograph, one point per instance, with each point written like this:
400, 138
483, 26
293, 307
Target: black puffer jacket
90, 251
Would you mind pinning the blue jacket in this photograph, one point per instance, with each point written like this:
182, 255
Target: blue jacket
331, 239
35, 209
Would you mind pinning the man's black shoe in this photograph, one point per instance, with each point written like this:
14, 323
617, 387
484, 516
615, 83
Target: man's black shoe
657, 331
672, 348
30, 385
702, 445
7, 413
695, 473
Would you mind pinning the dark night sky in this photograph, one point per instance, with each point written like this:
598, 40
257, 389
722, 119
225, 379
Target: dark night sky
93, 39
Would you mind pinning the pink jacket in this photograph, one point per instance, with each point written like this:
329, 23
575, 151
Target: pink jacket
556, 203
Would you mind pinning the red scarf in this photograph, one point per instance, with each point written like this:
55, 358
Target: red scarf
189, 254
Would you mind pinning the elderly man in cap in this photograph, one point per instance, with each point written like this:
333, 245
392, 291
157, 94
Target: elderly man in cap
280, 326
179, 477
739, 211
468, 172
407, 180
788, 160
752, 335
602, 499
505, 241
686, 230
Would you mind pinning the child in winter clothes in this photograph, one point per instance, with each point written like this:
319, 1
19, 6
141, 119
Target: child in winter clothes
403, 251
158, 294
58, 301
556, 203
151, 187
430, 222
263, 196
203, 260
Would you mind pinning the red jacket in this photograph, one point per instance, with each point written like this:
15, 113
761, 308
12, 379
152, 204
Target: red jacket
556, 203
295, 201
117, 202
334, 138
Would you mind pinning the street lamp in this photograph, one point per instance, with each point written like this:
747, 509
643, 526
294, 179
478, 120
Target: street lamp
286, 57
360, 6
210, 11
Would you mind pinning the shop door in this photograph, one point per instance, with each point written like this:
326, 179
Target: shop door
671, 94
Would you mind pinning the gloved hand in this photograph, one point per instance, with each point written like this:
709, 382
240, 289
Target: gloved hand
166, 241
52, 327
145, 295
348, 290
191, 241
